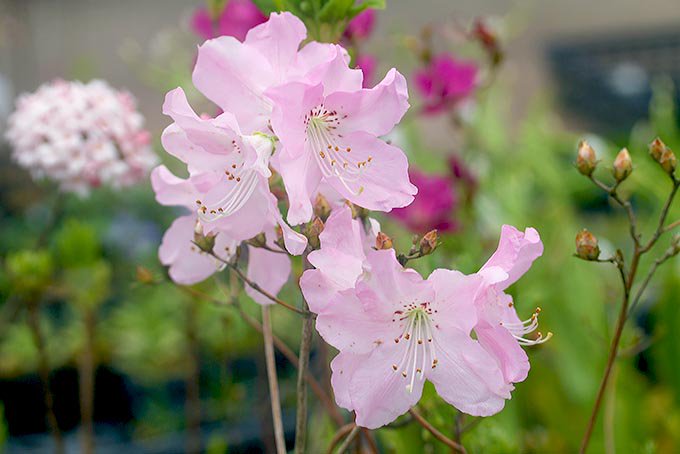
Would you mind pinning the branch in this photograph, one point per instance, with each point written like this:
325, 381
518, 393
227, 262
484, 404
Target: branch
664, 214
670, 252
305, 347
342, 432
273, 380
436, 433
252, 284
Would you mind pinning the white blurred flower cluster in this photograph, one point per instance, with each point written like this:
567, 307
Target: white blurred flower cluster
81, 136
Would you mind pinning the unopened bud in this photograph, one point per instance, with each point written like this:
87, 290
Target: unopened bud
205, 243
623, 165
657, 148
383, 241
144, 276
663, 155
312, 232
586, 245
258, 241
322, 208
586, 161
429, 242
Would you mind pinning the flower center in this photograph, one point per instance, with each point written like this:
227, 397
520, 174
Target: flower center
417, 322
334, 159
242, 183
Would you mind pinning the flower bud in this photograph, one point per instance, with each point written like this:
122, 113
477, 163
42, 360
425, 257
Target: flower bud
663, 155
586, 161
383, 241
429, 242
259, 240
144, 276
312, 232
656, 149
322, 208
205, 243
623, 165
586, 245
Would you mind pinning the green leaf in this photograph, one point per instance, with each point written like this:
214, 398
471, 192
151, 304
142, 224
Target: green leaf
372, 4
269, 6
335, 10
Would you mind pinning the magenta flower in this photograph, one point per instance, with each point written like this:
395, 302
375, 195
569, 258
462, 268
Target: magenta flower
433, 207
187, 263
237, 17
361, 26
499, 329
445, 82
367, 64
228, 185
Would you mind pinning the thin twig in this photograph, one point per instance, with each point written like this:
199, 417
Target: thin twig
86, 382
305, 347
273, 380
254, 285
664, 214
671, 226
345, 444
436, 433
339, 435
670, 252
44, 373
281, 346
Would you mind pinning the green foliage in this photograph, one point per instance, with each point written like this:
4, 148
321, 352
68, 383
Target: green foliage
76, 244
29, 272
325, 19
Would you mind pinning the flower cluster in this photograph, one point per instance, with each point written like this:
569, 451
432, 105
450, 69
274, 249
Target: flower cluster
445, 83
395, 329
81, 136
301, 112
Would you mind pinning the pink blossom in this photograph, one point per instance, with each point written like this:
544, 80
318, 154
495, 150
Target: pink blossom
228, 185
329, 128
394, 330
235, 75
340, 260
237, 17
445, 82
499, 329
375, 311
80, 135
433, 207
187, 263
361, 26
367, 64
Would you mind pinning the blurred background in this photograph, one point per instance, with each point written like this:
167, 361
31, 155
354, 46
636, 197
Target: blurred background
604, 70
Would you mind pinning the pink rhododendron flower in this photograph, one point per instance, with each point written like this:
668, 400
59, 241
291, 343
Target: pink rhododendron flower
375, 312
237, 17
340, 260
314, 103
228, 184
499, 329
80, 135
433, 207
188, 264
361, 26
445, 82
235, 75
329, 130
394, 330
367, 64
